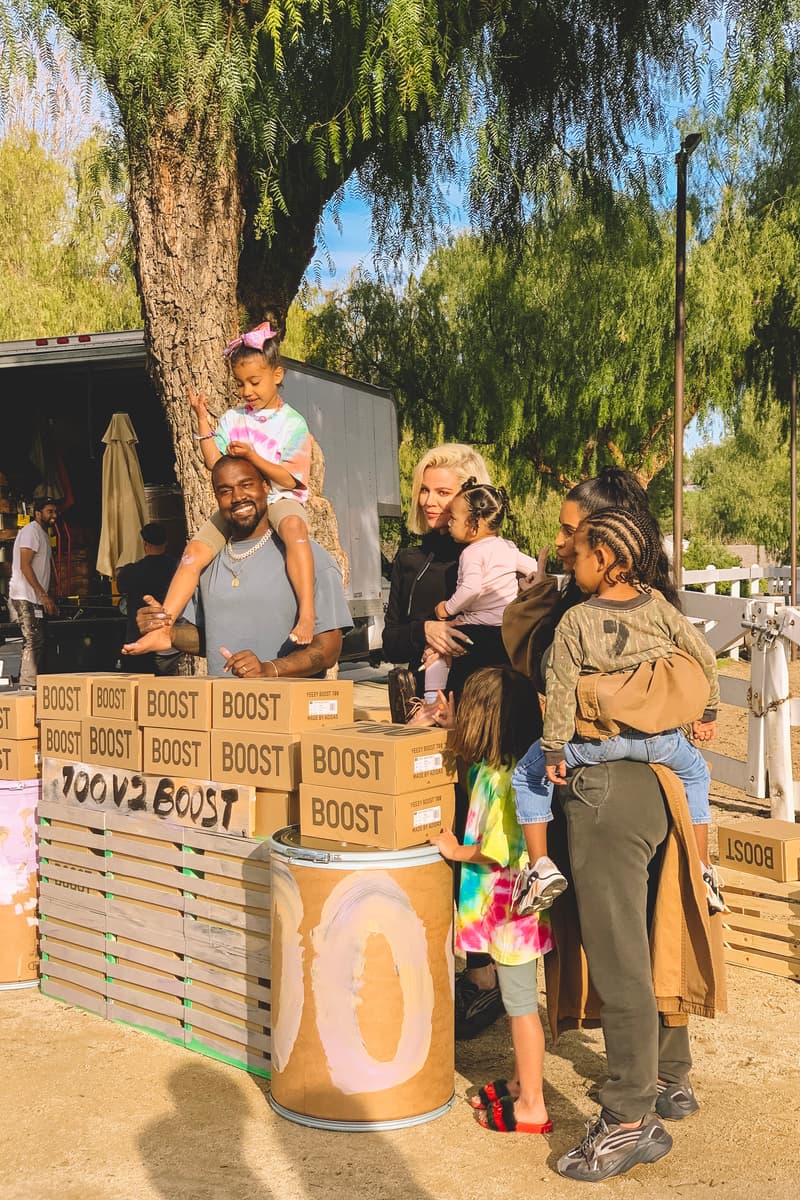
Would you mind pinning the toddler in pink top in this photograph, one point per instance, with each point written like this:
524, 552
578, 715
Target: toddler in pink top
489, 570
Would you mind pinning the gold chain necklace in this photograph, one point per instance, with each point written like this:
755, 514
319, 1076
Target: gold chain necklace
237, 558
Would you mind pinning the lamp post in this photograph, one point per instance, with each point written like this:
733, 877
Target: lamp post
688, 146
793, 480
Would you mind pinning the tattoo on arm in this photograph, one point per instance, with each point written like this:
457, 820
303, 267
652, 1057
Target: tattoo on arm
321, 652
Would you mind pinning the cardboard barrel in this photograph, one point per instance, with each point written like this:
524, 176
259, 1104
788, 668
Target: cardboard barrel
362, 984
18, 954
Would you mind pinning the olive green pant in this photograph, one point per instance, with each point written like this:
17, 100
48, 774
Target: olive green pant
617, 822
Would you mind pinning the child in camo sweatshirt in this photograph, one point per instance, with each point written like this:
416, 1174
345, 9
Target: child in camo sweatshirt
621, 625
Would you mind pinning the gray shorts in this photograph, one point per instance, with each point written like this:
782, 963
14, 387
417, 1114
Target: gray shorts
518, 988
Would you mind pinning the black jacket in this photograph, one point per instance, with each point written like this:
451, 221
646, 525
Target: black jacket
421, 577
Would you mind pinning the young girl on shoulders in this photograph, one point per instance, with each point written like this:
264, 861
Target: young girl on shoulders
497, 717
489, 569
274, 438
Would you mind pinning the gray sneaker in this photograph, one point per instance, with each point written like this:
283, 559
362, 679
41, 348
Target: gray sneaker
537, 886
714, 897
608, 1149
676, 1100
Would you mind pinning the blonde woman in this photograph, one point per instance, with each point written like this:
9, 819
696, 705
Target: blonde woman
426, 574
422, 576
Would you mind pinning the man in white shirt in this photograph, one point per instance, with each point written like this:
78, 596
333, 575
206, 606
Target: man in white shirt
29, 590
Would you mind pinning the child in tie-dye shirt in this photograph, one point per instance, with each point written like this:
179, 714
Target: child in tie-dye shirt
274, 438
498, 718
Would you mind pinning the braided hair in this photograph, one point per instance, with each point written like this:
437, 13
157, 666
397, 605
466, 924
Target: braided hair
486, 503
614, 487
633, 539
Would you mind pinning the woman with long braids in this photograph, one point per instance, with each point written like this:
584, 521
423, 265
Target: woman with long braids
614, 823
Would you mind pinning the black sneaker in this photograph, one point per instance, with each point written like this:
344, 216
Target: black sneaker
402, 686
476, 1008
676, 1100
609, 1149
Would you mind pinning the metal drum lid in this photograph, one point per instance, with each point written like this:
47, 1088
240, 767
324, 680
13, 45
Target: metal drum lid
288, 843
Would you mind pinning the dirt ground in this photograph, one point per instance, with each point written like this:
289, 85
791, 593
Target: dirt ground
97, 1111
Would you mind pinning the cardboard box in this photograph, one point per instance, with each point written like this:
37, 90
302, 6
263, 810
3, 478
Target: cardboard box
374, 712
110, 743
183, 752
18, 715
265, 760
387, 822
275, 810
175, 702
61, 739
373, 757
115, 697
281, 705
66, 696
765, 847
19, 759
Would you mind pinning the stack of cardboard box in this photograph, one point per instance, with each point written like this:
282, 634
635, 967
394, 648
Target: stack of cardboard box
257, 729
179, 742
175, 716
379, 785
90, 717
19, 743
761, 880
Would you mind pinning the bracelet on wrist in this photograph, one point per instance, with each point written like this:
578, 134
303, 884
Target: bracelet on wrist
202, 437
271, 663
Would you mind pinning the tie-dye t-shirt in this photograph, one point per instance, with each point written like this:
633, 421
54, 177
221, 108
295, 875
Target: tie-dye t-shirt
486, 923
278, 435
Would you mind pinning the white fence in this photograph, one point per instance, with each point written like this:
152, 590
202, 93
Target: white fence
763, 617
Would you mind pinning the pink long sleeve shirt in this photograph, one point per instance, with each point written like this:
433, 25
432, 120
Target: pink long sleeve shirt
488, 580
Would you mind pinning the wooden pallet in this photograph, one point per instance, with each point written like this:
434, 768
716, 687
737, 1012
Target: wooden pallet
762, 930
162, 927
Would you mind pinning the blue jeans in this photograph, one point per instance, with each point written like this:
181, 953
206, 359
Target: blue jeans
533, 791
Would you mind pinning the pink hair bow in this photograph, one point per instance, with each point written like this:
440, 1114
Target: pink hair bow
254, 339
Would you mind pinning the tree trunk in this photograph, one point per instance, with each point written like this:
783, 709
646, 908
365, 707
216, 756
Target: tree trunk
187, 220
271, 271
321, 518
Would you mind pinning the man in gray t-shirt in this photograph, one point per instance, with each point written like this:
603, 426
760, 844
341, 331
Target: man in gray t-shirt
246, 606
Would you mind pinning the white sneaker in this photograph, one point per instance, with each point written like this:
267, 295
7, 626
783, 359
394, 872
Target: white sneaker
714, 896
536, 887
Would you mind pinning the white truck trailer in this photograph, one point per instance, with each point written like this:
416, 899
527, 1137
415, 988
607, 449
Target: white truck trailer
59, 393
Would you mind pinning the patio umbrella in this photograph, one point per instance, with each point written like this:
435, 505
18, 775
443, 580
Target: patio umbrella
124, 506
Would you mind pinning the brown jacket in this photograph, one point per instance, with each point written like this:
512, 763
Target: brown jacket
530, 621
686, 947
665, 693
654, 696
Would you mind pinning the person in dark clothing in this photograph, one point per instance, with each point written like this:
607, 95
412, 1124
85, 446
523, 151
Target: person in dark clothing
426, 574
150, 576
422, 576
617, 824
